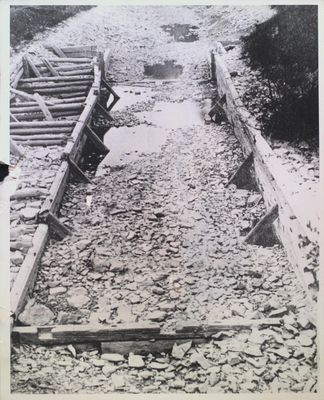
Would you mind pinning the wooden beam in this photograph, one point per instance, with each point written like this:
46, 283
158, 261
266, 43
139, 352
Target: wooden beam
71, 60
43, 107
32, 66
50, 67
77, 172
22, 94
140, 331
54, 198
44, 131
111, 90
58, 51
43, 124
83, 77
259, 234
14, 149
27, 272
57, 226
13, 117
99, 145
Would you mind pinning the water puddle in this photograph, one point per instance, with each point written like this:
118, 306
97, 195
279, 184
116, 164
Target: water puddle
127, 144
182, 32
173, 115
168, 70
130, 95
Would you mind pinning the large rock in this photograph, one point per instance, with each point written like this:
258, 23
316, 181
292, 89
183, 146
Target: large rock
135, 361
157, 316
36, 314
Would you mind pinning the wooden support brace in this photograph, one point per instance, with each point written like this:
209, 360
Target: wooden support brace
111, 90
15, 149
104, 112
99, 145
57, 226
50, 67
43, 107
259, 235
242, 176
33, 67
23, 94
58, 51
77, 172
13, 117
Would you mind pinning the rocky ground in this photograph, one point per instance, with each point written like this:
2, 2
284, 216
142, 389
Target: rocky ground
158, 236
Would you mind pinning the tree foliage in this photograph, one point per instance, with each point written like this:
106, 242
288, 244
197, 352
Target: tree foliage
26, 21
284, 49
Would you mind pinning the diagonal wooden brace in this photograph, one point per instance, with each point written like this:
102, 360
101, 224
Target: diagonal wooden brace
77, 172
104, 112
57, 226
111, 90
99, 145
50, 67
258, 234
32, 66
241, 177
43, 107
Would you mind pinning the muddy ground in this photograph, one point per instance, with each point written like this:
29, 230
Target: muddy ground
157, 235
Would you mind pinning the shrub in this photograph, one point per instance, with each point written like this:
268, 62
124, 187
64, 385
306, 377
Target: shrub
26, 21
284, 49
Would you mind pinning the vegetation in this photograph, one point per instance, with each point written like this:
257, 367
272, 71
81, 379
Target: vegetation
284, 50
25, 22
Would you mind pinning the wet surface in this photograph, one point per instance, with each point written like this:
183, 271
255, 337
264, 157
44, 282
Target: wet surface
168, 70
130, 95
182, 32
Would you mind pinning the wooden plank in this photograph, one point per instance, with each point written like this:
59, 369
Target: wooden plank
43, 107
53, 200
77, 172
27, 273
141, 332
32, 66
99, 145
58, 51
56, 107
70, 60
52, 84
35, 131
84, 77
50, 67
54, 136
43, 124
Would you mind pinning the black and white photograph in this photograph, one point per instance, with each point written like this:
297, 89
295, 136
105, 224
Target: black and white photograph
164, 188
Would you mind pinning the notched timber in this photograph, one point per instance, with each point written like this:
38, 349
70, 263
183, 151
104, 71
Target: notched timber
77, 172
98, 144
243, 177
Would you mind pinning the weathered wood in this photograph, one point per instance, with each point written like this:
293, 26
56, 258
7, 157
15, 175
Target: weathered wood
54, 198
56, 107
77, 172
71, 95
22, 94
39, 115
15, 80
57, 79
43, 124
27, 193
58, 51
14, 149
111, 90
26, 131
48, 136
50, 67
52, 84
57, 226
42, 143
43, 107
242, 177
140, 332
27, 273
32, 66
65, 89
26, 71
99, 145
104, 112
70, 60
13, 117
76, 72
258, 235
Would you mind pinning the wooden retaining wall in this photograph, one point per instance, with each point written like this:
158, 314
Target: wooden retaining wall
297, 225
